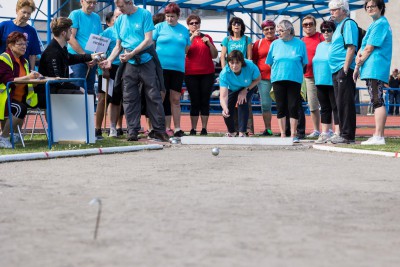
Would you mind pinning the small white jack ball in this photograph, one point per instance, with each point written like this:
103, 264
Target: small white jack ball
215, 151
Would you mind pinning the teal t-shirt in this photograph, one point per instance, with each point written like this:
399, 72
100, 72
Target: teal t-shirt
228, 79
85, 25
287, 59
171, 42
240, 45
131, 30
377, 65
337, 53
321, 69
112, 35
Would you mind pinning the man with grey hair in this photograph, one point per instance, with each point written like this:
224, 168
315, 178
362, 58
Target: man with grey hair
342, 64
135, 35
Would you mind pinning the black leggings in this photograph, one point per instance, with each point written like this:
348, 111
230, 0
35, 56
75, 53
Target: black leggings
287, 95
199, 88
326, 98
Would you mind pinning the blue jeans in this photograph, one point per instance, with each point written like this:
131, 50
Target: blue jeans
79, 71
264, 88
394, 98
243, 111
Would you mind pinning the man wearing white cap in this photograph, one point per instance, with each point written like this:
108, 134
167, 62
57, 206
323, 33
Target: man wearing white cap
342, 64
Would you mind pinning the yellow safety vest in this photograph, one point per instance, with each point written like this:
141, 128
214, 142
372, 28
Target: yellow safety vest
31, 98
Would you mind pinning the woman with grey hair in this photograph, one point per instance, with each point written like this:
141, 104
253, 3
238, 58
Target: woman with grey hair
287, 57
373, 64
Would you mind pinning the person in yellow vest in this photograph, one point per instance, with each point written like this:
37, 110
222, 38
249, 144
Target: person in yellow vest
14, 67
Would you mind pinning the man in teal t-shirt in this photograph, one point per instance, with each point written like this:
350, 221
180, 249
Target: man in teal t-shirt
134, 30
341, 61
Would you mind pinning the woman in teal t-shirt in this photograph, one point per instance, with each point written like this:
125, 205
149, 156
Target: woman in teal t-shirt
287, 58
236, 40
324, 83
373, 64
172, 43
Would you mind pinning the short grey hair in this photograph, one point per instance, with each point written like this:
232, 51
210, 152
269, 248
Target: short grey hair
286, 25
343, 4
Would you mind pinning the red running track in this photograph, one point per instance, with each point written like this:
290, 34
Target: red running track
216, 124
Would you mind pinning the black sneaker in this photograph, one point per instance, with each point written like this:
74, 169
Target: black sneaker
151, 135
203, 131
267, 132
99, 134
341, 140
162, 136
133, 137
120, 132
193, 132
179, 133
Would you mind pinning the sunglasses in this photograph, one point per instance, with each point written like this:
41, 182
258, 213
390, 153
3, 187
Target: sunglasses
236, 24
269, 29
194, 23
310, 24
326, 30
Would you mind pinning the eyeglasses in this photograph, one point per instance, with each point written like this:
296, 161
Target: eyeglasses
269, 29
309, 24
194, 23
236, 24
91, 2
370, 7
326, 30
21, 44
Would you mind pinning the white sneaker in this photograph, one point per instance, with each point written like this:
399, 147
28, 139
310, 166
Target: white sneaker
323, 138
313, 134
113, 132
374, 140
4, 143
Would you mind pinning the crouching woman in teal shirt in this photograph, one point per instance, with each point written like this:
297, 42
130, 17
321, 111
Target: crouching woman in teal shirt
237, 82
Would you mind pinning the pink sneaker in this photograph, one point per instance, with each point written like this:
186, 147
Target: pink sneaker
170, 132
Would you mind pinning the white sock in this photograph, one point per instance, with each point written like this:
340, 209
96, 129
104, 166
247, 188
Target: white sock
177, 129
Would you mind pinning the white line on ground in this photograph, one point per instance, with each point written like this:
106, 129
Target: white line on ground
356, 151
75, 153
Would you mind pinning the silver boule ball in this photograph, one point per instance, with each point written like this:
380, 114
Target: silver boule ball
103, 56
171, 138
97, 57
215, 151
174, 142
